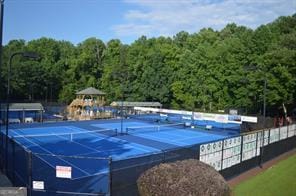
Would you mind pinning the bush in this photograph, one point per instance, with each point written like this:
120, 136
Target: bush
189, 177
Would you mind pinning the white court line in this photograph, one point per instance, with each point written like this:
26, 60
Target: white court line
158, 139
46, 128
129, 144
197, 137
113, 150
64, 138
178, 141
54, 155
87, 147
168, 133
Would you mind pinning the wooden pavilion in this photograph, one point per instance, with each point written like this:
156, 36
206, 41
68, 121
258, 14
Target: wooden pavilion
87, 105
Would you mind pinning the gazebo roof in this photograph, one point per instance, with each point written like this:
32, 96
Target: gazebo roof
90, 91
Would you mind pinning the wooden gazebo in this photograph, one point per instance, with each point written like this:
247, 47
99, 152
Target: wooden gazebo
87, 104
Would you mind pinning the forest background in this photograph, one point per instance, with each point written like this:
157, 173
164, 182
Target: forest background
208, 70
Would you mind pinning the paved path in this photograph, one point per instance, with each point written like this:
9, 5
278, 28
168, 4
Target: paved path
4, 181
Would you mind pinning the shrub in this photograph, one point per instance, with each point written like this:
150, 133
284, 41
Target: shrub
189, 177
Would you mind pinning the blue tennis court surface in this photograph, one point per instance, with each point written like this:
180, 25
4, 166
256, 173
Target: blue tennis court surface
171, 135
87, 147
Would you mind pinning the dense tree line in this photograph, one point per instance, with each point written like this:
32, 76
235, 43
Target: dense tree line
207, 70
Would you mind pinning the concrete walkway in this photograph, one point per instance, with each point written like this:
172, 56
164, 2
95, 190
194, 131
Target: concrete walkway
4, 181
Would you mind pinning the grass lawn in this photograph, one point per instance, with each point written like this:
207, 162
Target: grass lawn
279, 180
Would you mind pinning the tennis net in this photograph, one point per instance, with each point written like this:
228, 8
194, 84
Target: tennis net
154, 128
70, 135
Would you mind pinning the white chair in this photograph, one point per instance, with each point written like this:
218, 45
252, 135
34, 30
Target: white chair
209, 127
187, 124
14, 121
29, 120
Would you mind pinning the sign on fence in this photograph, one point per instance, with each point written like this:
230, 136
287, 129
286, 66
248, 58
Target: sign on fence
274, 135
39, 185
283, 133
232, 151
63, 172
222, 118
211, 154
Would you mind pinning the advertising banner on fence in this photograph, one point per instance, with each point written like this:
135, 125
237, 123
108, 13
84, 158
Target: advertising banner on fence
197, 116
249, 119
39, 185
223, 118
234, 119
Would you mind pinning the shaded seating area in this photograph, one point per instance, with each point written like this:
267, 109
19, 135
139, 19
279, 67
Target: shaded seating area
22, 113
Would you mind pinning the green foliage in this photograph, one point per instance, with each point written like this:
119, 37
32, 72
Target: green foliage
204, 70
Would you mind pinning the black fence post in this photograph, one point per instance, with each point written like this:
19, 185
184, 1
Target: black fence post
242, 145
198, 151
279, 134
163, 154
241, 157
286, 146
268, 137
222, 154
1, 151
288, 130
256, 145
110, 175
29, 185
13, 161
260, 147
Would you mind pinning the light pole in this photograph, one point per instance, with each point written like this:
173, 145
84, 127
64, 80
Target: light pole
251, 68
264, 100
31, 55
121, 115
124, 77
1, 36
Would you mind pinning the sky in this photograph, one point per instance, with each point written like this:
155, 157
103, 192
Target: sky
127, 20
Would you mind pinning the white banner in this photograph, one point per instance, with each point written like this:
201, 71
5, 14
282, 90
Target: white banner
223, 118
249, 119
63, 172
39, 185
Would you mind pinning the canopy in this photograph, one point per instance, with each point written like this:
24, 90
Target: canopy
23, 107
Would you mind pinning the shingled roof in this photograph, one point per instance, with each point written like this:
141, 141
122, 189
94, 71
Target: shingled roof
90, 91
23, 106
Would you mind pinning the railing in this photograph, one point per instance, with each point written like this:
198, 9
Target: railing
232, 151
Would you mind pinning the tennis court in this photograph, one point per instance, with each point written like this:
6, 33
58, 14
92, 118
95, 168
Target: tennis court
67, 154
173, 134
